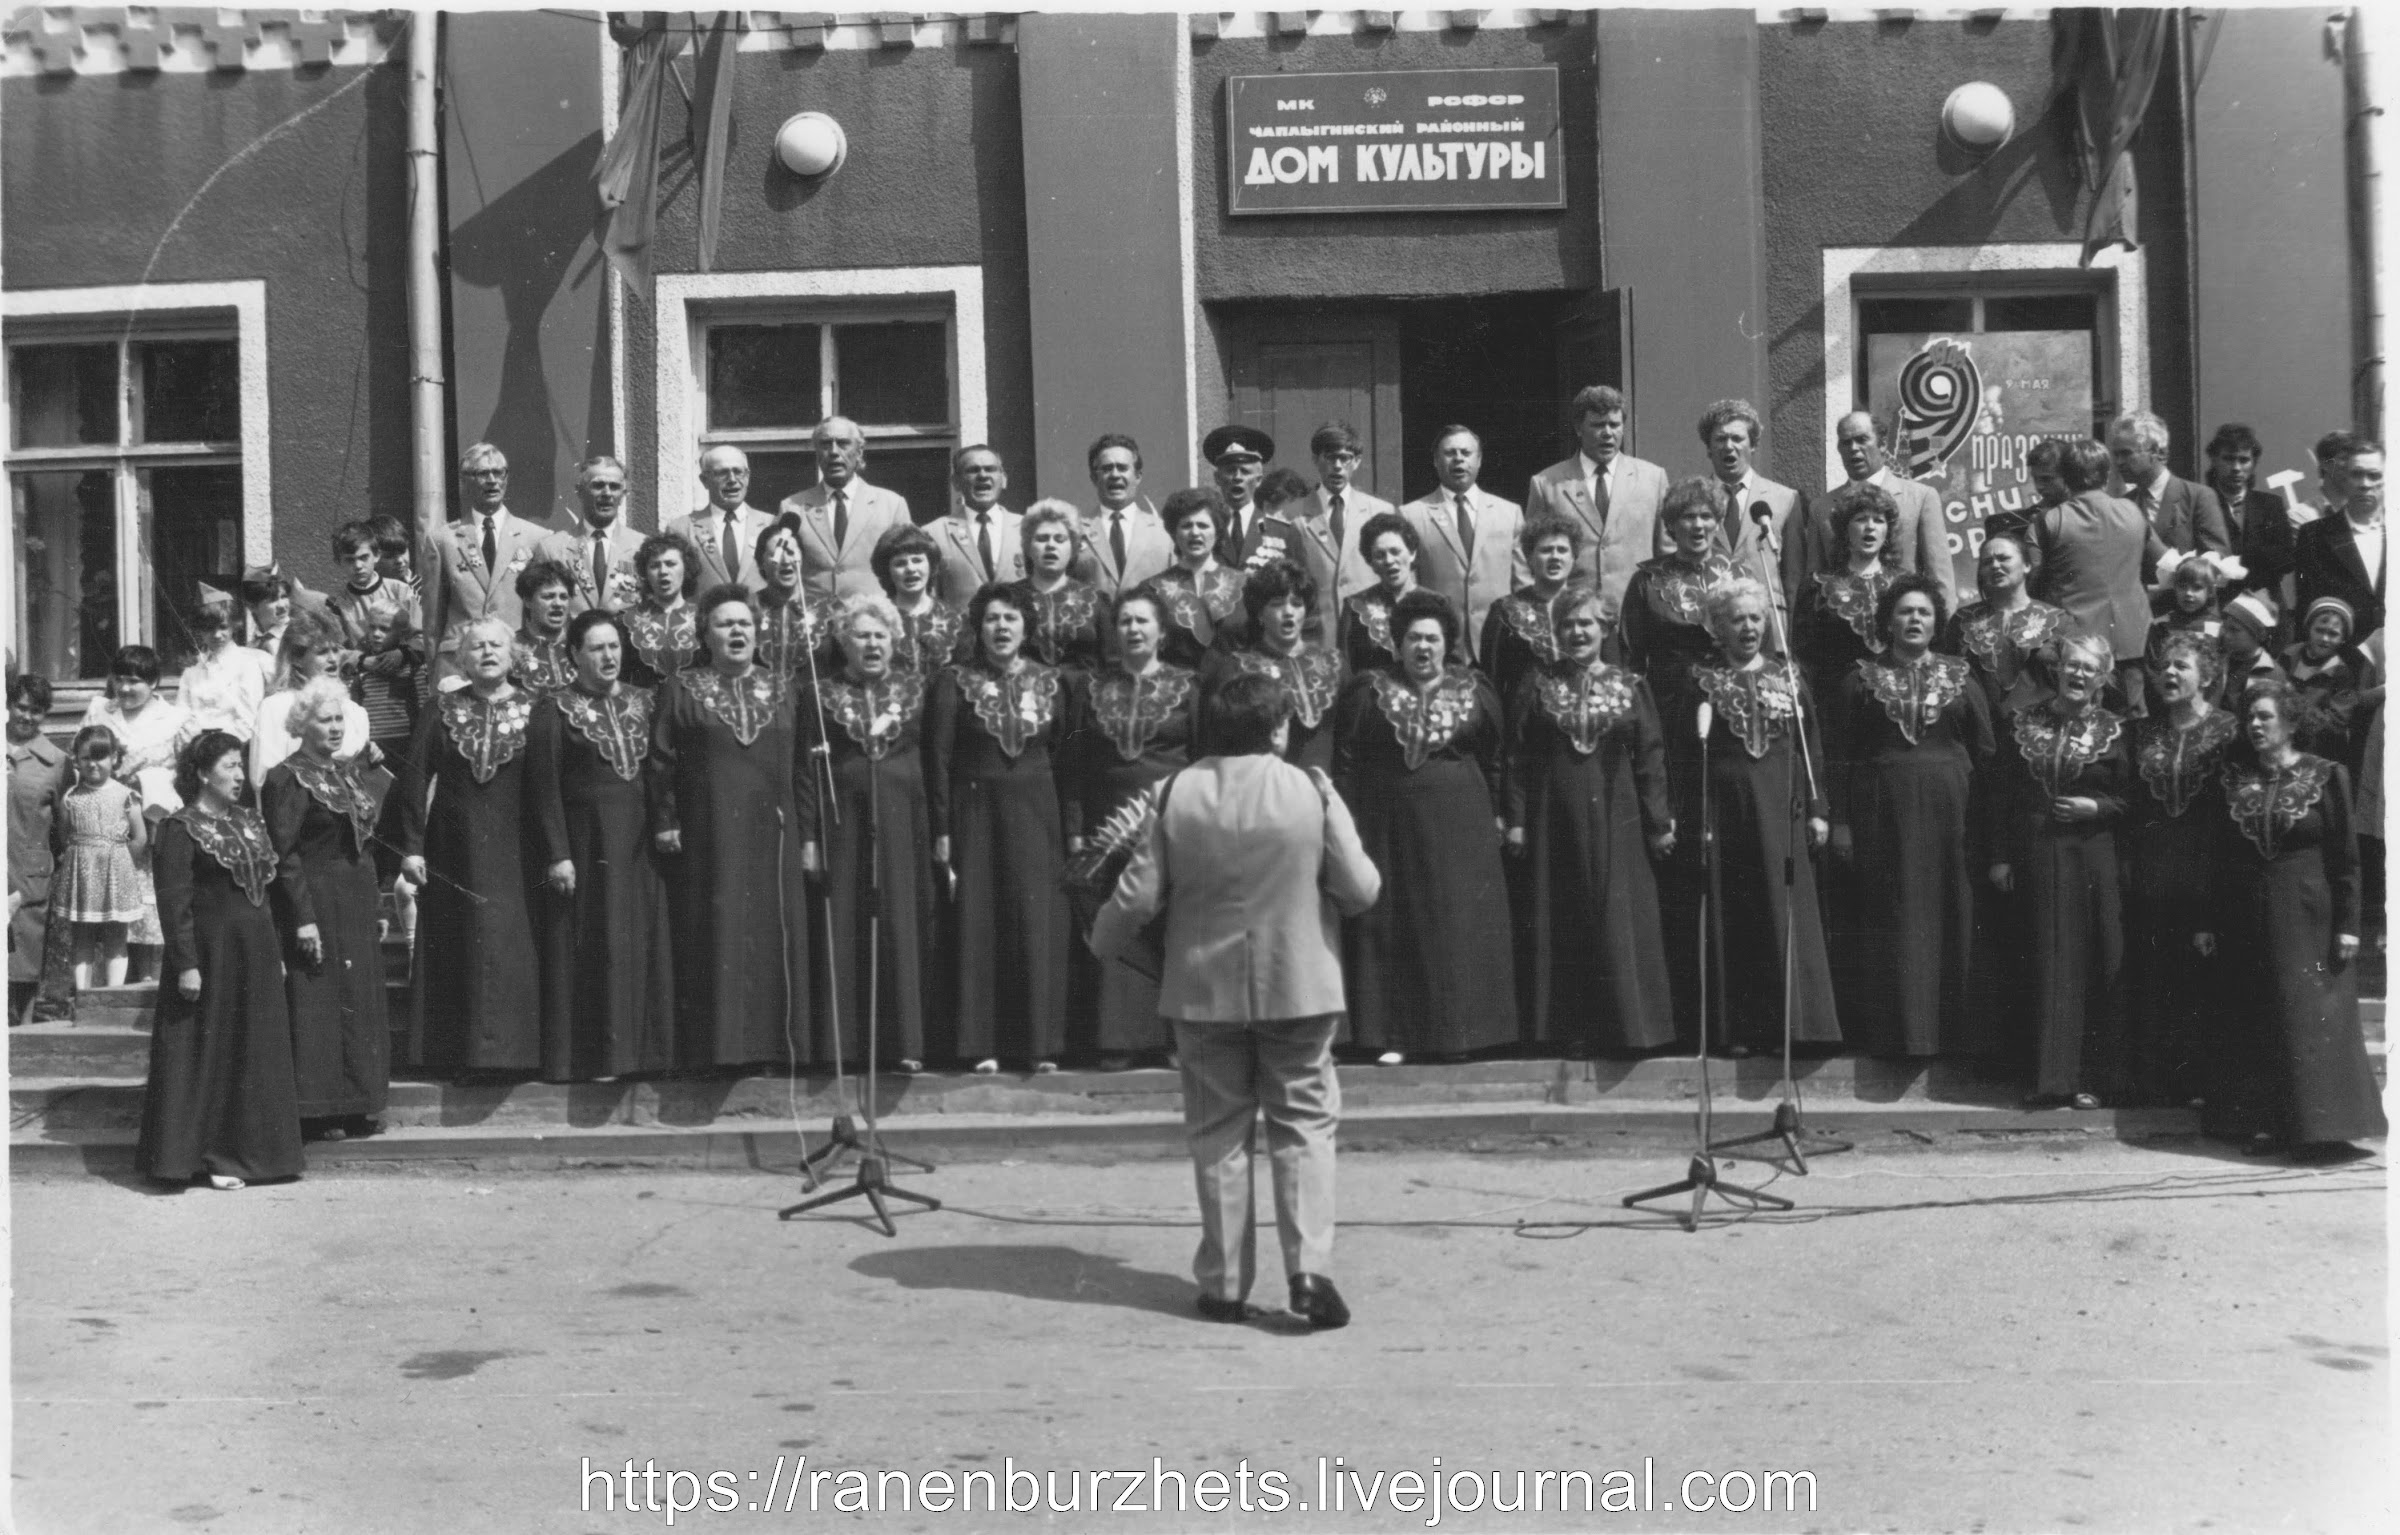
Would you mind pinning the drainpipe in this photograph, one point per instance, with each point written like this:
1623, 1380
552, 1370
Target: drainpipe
2363, 127
427, 387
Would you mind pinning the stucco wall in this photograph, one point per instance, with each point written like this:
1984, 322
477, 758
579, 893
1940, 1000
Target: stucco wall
96, 170
933, 179
1853, 154
1370, 255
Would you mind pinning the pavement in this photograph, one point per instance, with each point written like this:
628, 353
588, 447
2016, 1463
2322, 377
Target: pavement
2044, 1335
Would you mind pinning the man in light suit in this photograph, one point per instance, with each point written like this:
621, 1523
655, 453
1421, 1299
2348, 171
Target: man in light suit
1330, 517
2186, 514
725, 531
1470, 552
1255, 862
842, 516
1612, 494
978, 541
1919, 540
599, 550
473, 563
1730, 430
2097, 554
1124, 543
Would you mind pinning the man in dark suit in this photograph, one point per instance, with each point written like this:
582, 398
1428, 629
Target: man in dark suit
1239, 455
1614, 496
2343, 553
2185, 513
2258, 522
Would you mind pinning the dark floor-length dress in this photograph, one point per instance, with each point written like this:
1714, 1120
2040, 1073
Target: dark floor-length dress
721, 775
1429, 966
1587, 780
1759, 798
320, 817
1518, 639
221, 1097
992, 740
608, 974
1313, 675
875, 732
2293, 1065
2175, 824
1916, 735
2069, 892
1126, 733
479, 973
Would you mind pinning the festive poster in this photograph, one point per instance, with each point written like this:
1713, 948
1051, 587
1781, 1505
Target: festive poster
1961, 411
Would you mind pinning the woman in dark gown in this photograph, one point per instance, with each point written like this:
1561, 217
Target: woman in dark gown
321, 818
2173, 830
1760, 794
1134, 722
1834, 617
1363, 638
479, 988
995, 727
795, 630
2004, 634
1203, 596
220, 1101
2055, 808
723, 810
1917, 729
1587, 807
538, 661
932, 632
1064, 617
2293, 1068
1417, 749
608, 978
1279, 597
1517, 635
872, 714
659, 630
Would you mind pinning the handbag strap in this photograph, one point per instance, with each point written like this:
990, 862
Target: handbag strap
1166, 787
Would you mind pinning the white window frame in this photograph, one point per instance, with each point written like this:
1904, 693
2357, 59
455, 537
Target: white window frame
39, 316
1963, 267
688, 302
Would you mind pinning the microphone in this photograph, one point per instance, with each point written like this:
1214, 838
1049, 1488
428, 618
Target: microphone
1708, 717
1762, 516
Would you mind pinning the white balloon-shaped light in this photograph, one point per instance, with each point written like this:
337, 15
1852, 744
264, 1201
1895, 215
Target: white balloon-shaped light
811, 144
1978, 117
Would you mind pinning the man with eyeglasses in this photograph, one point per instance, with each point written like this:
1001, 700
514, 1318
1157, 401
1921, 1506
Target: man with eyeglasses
724, 531
842, 517
477, 558
1329, 518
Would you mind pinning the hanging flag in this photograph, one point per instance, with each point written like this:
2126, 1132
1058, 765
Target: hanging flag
2111, 58
712, 124
627, 177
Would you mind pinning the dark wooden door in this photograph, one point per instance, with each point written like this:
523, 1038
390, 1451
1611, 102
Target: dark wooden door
1595, 346
1291, 373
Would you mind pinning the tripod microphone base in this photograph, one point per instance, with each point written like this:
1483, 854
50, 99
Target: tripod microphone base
874, 1185
1787, 1129
1700, 1180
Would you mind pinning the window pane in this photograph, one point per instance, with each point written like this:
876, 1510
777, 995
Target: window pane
194, 516
191, 391
2041, 311
66, 573
777, 473
65, 395
922, 475
1909, 315
893, 374
763, 375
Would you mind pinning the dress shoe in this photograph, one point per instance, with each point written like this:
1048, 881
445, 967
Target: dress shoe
1218, 1309
1316, 1302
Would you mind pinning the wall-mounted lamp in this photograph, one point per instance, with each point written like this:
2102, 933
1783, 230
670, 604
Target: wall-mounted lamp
811, 144
1978, 117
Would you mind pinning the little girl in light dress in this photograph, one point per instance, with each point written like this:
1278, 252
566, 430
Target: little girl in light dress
100, 834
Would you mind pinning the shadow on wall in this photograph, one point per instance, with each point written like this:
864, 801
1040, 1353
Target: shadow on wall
514, 245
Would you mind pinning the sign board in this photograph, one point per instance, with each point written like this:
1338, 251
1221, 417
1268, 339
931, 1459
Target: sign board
1961, 411
1394, 141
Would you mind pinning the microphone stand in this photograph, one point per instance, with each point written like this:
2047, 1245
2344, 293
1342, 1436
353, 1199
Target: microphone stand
1700, 1176
872, 1180
1787, 1128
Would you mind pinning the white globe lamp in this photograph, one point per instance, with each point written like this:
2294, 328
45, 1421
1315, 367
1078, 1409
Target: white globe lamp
810, 144
1978, 117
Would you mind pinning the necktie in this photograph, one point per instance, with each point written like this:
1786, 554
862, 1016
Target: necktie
1333, 517
491, 544
600, 566
1466, 528
983, 544
2148, 503
1116, 543
732, 550
841, 519
1600, 494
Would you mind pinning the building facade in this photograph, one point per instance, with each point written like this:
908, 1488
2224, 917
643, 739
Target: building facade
1047, 226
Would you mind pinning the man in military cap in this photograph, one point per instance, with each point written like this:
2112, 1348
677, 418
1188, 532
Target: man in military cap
1251, 536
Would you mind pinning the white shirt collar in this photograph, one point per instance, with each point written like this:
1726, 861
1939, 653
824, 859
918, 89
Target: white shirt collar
2158, 485
1588, 471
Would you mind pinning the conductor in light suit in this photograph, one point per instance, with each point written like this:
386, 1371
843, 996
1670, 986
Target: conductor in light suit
1471, 555
1614, 495
1255, 862
978, 541
1329, 519
842, 517
475, 561
724, 533
1756, 539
